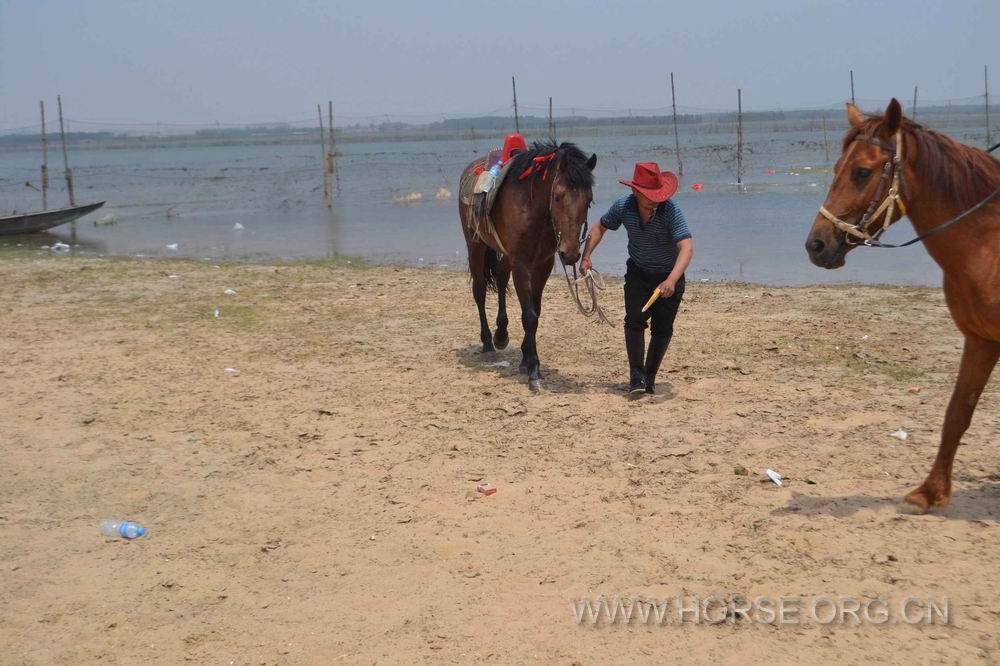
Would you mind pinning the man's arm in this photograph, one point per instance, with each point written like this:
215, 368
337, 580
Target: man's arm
685, 250
593, 238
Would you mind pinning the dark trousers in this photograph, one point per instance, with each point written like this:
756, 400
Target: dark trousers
639, 286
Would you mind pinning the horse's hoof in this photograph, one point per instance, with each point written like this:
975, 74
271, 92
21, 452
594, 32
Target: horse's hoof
928, 496
488, 348
501, 342
535, 384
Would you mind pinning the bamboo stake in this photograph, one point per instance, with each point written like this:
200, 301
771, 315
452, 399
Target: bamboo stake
986, 82
322, 143
739, 139
826, 141
552, 127
852, 86
68, 172
913, 111
45, 162
330, 169
677, 141
517, 123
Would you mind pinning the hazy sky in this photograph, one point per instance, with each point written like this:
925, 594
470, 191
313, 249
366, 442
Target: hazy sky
254, 60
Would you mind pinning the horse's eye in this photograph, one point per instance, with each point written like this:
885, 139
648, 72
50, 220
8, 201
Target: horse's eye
558, 198
862, 173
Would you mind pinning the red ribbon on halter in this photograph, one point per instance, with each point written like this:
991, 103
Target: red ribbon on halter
537, 166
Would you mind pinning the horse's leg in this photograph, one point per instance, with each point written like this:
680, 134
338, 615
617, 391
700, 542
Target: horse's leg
501, 337
978, 360
538, 279
529, 320
477, 268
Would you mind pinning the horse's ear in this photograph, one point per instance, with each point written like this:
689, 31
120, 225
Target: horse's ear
893, 116
854, 115
592, 162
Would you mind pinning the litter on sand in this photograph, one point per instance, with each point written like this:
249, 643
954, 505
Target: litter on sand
229, 292
486, 488
232, 371
216, 313
774, 476
901, 435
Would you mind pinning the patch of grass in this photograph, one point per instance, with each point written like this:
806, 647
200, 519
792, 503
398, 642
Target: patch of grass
335, 260
240, 317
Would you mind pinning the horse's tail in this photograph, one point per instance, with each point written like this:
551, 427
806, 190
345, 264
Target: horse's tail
490, 264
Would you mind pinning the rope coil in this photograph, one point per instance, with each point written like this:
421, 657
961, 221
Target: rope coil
593, 282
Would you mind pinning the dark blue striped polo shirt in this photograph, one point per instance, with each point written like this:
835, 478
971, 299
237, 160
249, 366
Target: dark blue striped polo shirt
653, 246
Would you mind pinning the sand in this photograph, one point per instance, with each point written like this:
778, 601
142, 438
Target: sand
320, 505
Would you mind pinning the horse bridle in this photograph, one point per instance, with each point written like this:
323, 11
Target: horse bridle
889, 205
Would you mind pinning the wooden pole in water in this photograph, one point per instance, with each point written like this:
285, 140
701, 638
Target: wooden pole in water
677, 141
326, 161
517, 122
333, 151
913, 111
68, 172
852, 86
986, 82
45, 162
739, 139
826, 141
552, 127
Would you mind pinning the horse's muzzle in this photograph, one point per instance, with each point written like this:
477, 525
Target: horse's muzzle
824, 255
569, 259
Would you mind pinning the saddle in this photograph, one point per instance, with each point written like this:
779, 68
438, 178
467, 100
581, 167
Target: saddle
481, 203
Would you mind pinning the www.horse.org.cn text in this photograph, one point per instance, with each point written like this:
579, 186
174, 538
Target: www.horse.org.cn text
777, 611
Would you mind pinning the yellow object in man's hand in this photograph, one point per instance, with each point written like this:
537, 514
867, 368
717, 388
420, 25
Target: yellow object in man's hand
652, 299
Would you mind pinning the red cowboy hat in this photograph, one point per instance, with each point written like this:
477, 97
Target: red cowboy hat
655, 185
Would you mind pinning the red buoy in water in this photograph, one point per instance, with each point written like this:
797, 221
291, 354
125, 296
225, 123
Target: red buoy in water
697, 187
770, 172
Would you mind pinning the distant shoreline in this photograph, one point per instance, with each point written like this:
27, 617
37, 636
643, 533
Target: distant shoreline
484, 129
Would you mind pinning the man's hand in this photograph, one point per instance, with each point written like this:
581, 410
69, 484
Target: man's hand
667, 287
585, 265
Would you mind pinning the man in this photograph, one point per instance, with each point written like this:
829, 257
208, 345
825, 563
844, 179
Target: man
659, 251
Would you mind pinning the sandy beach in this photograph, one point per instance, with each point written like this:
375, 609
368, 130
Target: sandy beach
316, 503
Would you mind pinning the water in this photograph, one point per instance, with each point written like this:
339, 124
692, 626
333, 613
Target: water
192, 196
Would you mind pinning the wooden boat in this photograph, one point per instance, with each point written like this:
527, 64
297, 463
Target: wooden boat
29, 223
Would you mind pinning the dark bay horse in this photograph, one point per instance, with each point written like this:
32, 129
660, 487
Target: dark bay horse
891, 166
540, 209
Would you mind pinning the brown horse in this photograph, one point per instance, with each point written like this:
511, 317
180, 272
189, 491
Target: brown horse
932, 179
540, 209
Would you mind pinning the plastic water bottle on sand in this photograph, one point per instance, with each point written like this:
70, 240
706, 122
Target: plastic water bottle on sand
122, 529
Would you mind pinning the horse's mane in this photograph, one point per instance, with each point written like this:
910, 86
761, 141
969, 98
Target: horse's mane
962, 173
575, 173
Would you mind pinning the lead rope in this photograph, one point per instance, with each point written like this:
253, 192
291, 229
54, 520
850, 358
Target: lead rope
593, 282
